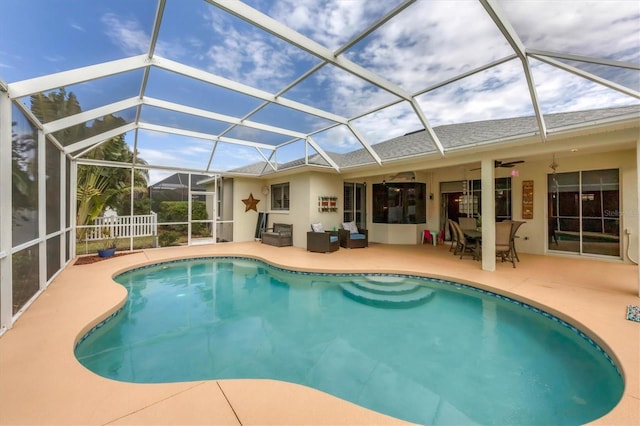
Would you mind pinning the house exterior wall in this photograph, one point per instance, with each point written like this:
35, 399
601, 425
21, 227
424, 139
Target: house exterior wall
306, 187
304, 190
244, 222
533, 235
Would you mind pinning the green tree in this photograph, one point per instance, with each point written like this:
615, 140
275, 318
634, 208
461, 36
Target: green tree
98, 186
24, 167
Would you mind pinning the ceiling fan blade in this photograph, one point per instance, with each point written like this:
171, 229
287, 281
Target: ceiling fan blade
498, 163
511, 163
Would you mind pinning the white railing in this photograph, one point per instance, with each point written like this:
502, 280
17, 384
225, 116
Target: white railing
122, 227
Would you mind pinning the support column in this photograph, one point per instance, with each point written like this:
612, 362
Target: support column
488, 212
637, 215
6, 290
42, 210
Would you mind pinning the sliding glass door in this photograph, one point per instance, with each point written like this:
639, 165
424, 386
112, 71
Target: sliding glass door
584, 212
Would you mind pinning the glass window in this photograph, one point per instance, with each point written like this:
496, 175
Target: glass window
24, 178
280, 196
399, 203
355, 203
464, 198
503, 199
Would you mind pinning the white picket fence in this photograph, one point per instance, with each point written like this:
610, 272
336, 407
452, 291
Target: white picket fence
123, 227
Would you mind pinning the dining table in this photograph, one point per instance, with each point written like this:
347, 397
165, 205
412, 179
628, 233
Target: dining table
476, 235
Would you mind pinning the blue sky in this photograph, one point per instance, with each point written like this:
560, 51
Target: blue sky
424, 45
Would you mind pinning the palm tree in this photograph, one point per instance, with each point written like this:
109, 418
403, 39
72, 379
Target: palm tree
97, 186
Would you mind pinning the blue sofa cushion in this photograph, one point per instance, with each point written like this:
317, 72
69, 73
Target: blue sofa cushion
357, 236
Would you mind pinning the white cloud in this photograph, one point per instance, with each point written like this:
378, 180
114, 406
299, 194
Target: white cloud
126, 34
54, 58
560, 91
331, 22
337, 139
593, 28
229, 156
499, 92
248, 55
388, 123
76, 26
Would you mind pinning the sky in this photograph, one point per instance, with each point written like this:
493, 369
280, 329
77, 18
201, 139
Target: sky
423, 46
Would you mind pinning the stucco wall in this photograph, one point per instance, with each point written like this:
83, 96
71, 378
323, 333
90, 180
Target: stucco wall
304, 190
533, 235
306, 187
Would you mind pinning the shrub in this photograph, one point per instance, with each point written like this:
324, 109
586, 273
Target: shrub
168, 238
178, 211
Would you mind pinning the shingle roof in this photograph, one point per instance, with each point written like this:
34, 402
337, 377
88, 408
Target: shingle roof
180, 180
457, 135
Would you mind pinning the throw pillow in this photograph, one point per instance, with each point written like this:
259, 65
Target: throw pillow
317, 227
351, 227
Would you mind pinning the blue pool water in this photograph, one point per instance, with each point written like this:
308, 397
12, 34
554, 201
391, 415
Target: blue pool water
426, 351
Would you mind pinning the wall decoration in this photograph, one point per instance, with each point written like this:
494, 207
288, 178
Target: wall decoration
527, 199
250, 203
327, 204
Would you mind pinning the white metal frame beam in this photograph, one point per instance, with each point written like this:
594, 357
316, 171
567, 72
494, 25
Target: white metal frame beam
320, 152
509, 33
588, 76
260, 20
207, 77
587, 59
204, 136
365, 144
220, 117
6, 294
83, 117
45, 83
97, 139
427, 126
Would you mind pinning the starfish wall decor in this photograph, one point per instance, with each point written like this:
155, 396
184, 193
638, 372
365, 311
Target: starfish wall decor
250, 203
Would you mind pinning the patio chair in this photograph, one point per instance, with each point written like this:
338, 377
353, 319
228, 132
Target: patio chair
321, 241
503, 242
454, 237
280, 235
464, 245
351, 236
467, 222
515, 225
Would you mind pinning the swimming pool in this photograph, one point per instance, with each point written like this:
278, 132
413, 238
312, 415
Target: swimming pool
427, 351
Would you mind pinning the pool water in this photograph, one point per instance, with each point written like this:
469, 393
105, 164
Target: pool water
426, 351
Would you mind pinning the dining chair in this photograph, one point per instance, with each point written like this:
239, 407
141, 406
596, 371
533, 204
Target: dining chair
515, 225
464, 244
503, 241
467, 222
454, 236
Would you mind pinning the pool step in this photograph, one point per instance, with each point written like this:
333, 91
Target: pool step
381, 287
393, 296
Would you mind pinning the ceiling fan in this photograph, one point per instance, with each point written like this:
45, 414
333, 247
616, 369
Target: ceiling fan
507, 164
554, 166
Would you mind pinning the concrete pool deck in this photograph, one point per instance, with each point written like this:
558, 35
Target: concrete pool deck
41, 382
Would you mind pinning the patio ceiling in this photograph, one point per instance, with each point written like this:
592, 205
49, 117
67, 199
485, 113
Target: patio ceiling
217, 85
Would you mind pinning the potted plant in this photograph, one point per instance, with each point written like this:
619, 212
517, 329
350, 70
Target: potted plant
109, 247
